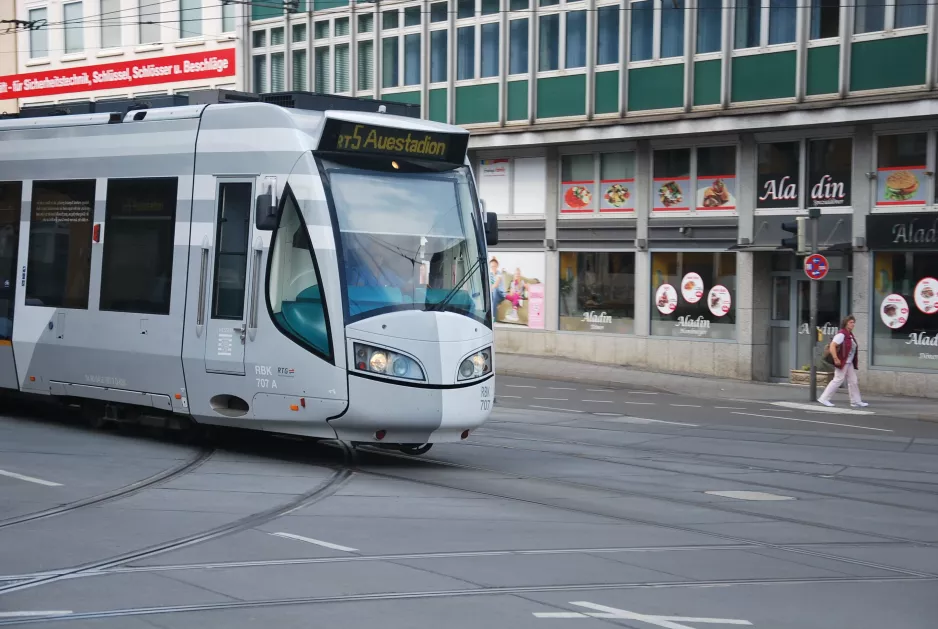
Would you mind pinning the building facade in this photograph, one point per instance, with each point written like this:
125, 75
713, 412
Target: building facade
7, 53
81, 50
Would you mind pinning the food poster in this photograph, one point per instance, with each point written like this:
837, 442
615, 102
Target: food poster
716, 193
517, 286
670, 194
618, 195
692, 287
577, 197
719, 301
666, 299
901, 186
894, 311
926, 295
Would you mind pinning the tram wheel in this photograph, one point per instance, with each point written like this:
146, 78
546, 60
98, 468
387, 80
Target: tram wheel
415, 448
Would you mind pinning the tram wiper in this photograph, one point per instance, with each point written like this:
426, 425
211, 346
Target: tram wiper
452, 293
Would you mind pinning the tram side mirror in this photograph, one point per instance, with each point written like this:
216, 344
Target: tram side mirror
491, 228
265, 213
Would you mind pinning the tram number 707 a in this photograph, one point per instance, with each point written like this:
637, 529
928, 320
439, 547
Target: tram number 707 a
486, 403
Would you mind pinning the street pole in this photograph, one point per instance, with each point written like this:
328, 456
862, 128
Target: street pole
813, 215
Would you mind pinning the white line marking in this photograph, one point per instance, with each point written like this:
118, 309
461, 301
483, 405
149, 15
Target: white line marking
749, 495
600, 390
30, 479
643, 392
316, 541
822, 409
34, 614
812, 421
731, 408
598, 401
642, 420
609, 414
687, 405
518, 397
553, 399
561, 389
520, 386
551, 408
777, 410
642, 403
669, 622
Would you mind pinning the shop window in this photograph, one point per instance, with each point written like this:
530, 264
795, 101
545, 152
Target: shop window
671, 180
617, 182
578, 183
829, 172
597, 292
777, 183
901, 166
709, 26
139, 228
59, 265
693, 295
825, 19
607, 40
716, 178
905, 303
518, 46
516, 282
11, 195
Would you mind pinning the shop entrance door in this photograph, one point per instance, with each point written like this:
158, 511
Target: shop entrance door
830, 308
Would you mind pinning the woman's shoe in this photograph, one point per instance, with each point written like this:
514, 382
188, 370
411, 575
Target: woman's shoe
860, 404
820, 401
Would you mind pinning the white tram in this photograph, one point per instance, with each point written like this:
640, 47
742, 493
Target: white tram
316, 273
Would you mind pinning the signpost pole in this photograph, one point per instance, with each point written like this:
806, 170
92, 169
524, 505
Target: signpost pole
813, 215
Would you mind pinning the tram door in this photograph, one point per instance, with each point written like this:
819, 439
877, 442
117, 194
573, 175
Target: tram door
231, 274
10, 204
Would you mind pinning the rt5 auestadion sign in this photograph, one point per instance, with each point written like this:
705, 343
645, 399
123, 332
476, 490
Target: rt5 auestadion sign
206, 64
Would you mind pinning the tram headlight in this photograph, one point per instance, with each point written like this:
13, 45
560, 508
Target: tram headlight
386, 363
476, 366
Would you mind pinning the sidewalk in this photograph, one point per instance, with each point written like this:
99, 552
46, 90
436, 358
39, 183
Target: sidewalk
701, 387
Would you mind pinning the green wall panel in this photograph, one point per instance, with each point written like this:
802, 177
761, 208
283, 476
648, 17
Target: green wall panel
660, 87
823, 70
884, 63
412, 98
264, 12
707, 77
477, 103
607, 92
763, 77
438, 105
322, 5
561, 96
517, 100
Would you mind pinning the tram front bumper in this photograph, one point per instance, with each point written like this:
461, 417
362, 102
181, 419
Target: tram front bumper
401, 413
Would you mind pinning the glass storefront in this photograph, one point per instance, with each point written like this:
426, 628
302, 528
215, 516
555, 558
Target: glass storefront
597, 292
905, 315
693, 295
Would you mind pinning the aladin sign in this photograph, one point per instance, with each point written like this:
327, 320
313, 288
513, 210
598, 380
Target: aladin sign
901, 232
778, 191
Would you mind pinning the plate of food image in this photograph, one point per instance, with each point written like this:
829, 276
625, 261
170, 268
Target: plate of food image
670, 194
577, 197
716, 195
894, 311
901, 185
617, 195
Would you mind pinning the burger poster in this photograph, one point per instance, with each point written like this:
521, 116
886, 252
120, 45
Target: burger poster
716, 193
901, 186
577, 197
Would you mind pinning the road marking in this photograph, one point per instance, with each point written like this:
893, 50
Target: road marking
29, 479
669, 622
687, 405
551, 408
817, 408
516, 397
318, 542
520, 386
642, 403
777, 410
749, 495
561, 389
642, 420
34, 614
813, 421
643, 392
600, 390
731, 408
609, 414
553, 399
598, 401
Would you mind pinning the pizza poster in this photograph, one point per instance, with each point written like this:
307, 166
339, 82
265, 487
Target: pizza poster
577, 197
901, 186
618, 195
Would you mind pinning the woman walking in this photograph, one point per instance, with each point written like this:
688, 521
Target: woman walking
843, 350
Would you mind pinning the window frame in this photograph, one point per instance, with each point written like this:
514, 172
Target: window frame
623, 23
889, 25
529, 16
153, 10
331, 42
656, 58
296, 46
74, 24
931, 163
476, 21
597, 153
764, 28
182, 33
563, 9
44, 31
694, 177
450, 48
112, 22
400, 32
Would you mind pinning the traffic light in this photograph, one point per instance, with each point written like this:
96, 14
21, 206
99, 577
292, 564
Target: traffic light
797, 243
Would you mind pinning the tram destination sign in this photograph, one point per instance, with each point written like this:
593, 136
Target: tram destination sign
355, 137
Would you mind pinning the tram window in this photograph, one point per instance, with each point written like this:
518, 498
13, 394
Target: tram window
11, 194
59, 265
231, 252
296, 300
139, 232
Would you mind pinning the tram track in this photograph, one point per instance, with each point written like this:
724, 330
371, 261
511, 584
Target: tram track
191, 464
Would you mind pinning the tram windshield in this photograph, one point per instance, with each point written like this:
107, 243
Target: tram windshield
409, 241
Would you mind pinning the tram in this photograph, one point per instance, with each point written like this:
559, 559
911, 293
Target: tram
306, 272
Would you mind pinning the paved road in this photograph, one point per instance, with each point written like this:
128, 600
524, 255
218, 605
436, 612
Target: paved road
544, 518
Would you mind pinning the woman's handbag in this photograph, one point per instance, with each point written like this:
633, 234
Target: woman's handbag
826, 356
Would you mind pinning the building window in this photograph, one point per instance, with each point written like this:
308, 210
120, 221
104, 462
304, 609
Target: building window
276, 36
341, 27
412, 59
323, 29
905, 309
389, 62
438, 56
779, 170
490, 48
260, 74
716, 178
607, 40
657, 29
366, 65
616, 183
465, 9
74, 28
578, 184
110, 24
693, 295
829, 172
549, 46
323, 82
190, 18
643, 30
518, 46
390, 20
366, 23
412, 17
228, 18
139, 227
517, 288
438, 12
300, 69
672, 29
331, 57
781, 16
671, 180
342, 82
277, 77
825, 19
259, 39
59, 264
11, 199
597, 292
299, 33
149, 21
901, 167
465, 53
878, 15
576, 40
709, 26
39, 38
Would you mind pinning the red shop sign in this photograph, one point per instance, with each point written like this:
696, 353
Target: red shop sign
123, 74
